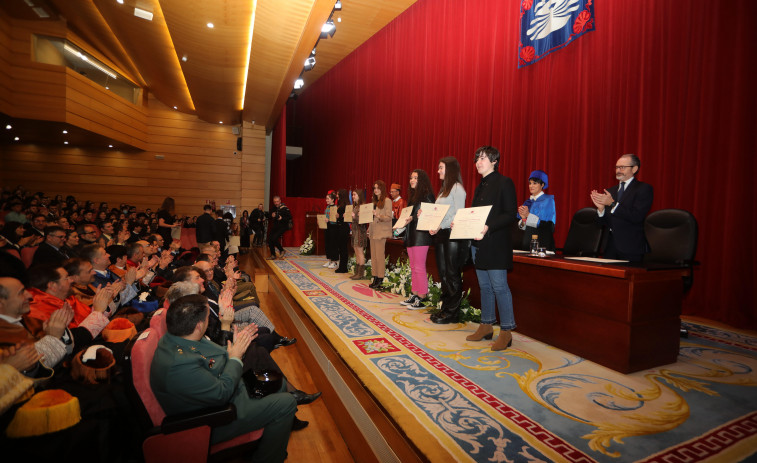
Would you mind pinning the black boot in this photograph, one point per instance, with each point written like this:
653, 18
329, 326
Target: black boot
303, 398
376, 283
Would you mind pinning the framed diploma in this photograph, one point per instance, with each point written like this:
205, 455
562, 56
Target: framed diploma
432, 216
321, 219
469, 223
403, 217
332, 214
366, 213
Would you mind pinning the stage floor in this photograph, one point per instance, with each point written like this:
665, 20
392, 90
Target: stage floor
459, 401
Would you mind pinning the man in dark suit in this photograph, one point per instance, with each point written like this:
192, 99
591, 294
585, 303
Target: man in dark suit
257, 217
189, 372
49, 252
204, 230
622, 209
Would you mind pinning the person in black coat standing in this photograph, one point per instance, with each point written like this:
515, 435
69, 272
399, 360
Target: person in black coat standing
623, 209
280, 217
493, 250
204, 226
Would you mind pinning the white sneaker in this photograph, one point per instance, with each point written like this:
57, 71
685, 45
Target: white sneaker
333, 265
327, 264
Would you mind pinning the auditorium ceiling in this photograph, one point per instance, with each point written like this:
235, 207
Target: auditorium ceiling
243, 68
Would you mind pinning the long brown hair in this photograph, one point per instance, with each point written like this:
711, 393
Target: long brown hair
422, 188
168, 205
360, 197
380, 200
451, 175
344, 199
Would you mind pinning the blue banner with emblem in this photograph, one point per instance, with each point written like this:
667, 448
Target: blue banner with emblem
548, 25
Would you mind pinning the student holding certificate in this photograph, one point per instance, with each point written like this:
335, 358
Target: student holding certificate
342, 230
379, 231
359, 234
417, 241
450, 254
329, 234
493, 251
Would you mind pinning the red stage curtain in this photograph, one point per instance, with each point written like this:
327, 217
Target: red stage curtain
667, 80
278, 159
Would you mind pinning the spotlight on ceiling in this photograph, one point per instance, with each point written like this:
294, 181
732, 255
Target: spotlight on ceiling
338, 5
144, 14
211, 25
310, 63
184, 58
328, 29
299, 83
65, 143
293, 95
65, 131
17, 139
8, 126
120, 1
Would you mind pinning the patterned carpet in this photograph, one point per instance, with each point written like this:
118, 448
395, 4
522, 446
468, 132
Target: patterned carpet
459, 401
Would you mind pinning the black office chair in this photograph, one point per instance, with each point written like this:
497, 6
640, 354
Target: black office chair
672, 236
584, 234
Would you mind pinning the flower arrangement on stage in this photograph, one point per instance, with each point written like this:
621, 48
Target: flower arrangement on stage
398, 280
308, 247
352, 263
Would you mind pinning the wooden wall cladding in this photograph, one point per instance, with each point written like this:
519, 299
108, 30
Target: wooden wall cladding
178, 155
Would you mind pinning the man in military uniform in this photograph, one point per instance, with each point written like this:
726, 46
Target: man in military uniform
189, 373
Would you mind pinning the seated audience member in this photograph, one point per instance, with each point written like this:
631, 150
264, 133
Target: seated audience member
50, 289
87, 235
13, 232
101, 263
257, 357
246, 313
72, 241
50, 345
107, 231
189, 373
16, 213
52, 250
82, 275
39, 222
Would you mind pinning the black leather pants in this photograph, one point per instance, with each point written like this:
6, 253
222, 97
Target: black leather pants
449, 261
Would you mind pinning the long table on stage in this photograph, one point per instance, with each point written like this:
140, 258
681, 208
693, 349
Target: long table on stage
626, 318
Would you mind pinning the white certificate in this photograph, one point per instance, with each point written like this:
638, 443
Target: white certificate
175, 233
332, 213
321, 218
348, 213
432, 216
469, 223
403, 216
366, 213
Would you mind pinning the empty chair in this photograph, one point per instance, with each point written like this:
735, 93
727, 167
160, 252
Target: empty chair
584, 234
672, 236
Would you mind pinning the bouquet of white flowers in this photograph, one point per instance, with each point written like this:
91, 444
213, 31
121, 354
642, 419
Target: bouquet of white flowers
308, 247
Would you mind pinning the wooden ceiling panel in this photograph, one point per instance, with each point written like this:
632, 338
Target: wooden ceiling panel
225, 78
216, 57
150, 47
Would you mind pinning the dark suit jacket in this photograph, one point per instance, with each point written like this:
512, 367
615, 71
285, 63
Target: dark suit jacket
204, 230
627, 222
495, 249
47, 254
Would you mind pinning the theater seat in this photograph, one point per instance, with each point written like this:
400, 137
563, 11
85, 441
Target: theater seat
184, 438
584, 234
27, 255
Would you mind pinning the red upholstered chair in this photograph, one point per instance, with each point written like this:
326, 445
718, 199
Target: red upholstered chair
183, 438
27, 255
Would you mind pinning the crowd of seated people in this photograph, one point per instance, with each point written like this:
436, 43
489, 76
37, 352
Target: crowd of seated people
79, 284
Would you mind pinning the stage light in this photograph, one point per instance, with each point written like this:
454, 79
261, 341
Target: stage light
338, 5
328, 29
299, 83
310, 63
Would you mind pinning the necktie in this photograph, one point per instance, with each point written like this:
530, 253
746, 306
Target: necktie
621, 190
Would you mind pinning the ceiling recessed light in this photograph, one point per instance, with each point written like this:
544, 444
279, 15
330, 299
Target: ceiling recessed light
17, 139
110, 146
8, 127
107, 88
175, 107
211, 25
65, 131
339, 19
65, 143
220, 122
184, 58
144, 14
120, 1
